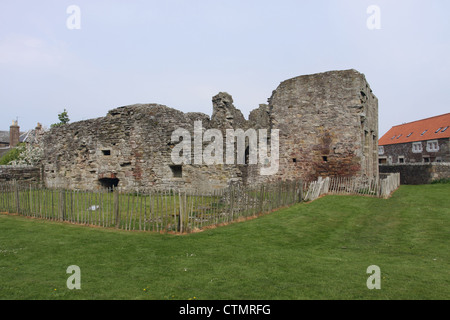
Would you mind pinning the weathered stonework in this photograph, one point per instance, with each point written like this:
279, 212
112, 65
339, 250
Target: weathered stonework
327, 122
131, 147
418, 173
328, 126
27, 174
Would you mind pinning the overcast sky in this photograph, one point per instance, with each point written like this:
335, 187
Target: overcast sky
181, 53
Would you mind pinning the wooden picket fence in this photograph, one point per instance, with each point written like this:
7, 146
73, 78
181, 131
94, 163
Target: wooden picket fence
176, 211
381, 186
161, 211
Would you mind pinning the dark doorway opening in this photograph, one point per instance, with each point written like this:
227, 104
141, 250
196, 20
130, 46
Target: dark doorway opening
109, 183
247, 155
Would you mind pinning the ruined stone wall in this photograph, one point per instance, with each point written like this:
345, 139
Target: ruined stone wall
418, 173
328, 125
129, 148
21, 173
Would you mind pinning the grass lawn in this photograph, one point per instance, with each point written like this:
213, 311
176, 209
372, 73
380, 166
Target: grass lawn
317, 250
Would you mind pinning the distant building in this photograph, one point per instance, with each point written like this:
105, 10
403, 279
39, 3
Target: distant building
10, 139
4, 139
426, 140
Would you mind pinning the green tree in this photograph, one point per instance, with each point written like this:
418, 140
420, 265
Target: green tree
63, 119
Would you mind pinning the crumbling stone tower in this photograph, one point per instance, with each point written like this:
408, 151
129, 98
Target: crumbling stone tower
328, 126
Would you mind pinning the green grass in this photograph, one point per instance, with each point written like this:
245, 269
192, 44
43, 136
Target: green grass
317, 250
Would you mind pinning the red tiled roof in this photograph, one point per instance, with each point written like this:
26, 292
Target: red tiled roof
427, 129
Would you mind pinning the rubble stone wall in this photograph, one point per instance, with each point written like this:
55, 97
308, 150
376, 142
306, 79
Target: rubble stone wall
28, 174
328, 126
418, 173
327, 122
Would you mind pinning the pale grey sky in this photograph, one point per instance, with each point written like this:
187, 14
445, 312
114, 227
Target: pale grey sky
181, 53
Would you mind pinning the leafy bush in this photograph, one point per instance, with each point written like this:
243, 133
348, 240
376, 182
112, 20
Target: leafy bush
442, 180
23, 154
11, 155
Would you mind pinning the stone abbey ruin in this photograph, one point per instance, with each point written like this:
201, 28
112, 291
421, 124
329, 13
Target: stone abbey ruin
327, 125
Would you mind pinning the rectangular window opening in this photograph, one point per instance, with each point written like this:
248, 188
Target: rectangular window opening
433, 146
417, 147
106, 152
324, 158
177, 171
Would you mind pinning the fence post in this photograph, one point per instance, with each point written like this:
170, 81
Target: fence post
231, 203
301, 191
186, 213
62, 205
116, 208
181, 211
261, 199
16, 191
31, 213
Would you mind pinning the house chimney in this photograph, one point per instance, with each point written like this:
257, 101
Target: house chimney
14, 134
